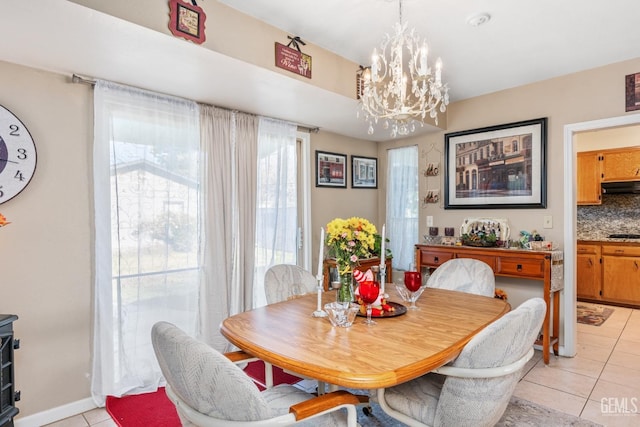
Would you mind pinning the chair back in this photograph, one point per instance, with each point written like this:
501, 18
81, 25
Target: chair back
284, 281
464, 401
464, 275
205, 379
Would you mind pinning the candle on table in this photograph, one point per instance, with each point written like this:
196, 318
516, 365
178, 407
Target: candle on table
320, 253
383, 259
383, 248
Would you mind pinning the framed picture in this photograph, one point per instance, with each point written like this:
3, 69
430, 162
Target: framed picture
632, 92
364, 172
331, 169
497, 167
187, 21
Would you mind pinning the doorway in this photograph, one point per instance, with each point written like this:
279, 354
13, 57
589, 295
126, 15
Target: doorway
570, 219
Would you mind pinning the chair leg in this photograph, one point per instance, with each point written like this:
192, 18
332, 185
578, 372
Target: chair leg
268, 375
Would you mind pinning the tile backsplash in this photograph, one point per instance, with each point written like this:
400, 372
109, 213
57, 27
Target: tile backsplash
618, 213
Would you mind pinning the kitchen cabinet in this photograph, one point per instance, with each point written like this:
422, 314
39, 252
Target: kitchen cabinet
608, 272
589, 273
621, 274
589, 178
621, 164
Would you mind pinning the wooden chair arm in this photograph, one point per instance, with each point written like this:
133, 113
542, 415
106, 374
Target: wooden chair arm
322, 403
239, 356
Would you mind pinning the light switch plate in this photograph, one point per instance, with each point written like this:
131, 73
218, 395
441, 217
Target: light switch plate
547, 221
429, 221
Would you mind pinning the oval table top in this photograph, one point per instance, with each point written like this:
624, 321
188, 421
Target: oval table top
394, 350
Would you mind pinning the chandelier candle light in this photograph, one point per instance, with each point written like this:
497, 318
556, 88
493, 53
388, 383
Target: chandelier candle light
320, 277
401, 90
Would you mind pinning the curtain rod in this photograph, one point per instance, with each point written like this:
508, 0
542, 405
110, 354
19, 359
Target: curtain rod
83, 80
77, 79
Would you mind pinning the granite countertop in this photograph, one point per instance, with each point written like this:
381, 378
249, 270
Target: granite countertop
596, 236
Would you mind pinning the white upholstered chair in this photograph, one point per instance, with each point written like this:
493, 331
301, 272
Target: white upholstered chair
208, 389
283, 281
464, 275
475, 389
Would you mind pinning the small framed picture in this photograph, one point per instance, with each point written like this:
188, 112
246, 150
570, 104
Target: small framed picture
364, 172
331, 169
186, 21
632, 92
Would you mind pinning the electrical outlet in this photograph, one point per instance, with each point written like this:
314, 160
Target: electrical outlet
547, 222
429, 221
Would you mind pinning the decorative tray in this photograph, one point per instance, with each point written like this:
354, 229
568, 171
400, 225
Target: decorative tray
399, 311
475, 231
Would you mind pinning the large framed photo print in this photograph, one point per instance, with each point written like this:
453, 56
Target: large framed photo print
497, 167
364, 172
331, 169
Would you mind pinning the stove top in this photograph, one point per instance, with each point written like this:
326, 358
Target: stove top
624, 236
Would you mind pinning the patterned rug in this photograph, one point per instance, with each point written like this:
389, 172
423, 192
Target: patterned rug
592, 314
519, 413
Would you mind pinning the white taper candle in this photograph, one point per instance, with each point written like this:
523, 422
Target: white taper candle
320, 254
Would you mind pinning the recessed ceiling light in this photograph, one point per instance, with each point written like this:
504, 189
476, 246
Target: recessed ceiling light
478, 19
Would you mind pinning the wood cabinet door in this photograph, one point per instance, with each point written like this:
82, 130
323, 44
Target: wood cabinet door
589, 176
588, 281
621, 164
621, 279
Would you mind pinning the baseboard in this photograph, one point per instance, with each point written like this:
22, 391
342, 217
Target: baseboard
55, 414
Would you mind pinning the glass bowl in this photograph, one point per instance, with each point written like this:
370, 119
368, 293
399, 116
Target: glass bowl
341, 314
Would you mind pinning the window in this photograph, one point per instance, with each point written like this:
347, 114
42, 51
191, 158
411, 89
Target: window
147, 214
402, 205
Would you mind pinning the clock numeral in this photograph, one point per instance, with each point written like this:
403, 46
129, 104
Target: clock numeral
15, 130
22, 153
1, 192
19, 176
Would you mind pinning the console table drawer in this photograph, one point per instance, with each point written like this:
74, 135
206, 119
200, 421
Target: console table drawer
520, 267
435, 258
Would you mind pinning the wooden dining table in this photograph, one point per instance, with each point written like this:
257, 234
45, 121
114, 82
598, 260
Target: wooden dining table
394, 350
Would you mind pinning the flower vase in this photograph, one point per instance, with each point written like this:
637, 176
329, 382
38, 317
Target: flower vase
345, 291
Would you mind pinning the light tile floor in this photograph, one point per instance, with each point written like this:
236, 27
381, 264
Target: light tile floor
598, 384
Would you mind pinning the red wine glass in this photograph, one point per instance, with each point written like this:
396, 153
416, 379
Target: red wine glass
369, 292
413, 282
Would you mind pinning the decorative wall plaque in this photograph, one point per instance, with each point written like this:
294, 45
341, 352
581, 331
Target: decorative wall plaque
187, 21
293, 60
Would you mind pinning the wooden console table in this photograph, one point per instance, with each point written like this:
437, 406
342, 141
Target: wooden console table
546, 266
365, 264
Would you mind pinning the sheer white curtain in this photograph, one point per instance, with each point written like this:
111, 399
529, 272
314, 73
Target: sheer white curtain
146, 164
277, 204
229, 143
402, 205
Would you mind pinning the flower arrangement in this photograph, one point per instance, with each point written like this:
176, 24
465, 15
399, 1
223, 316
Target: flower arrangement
3, 221
349, 240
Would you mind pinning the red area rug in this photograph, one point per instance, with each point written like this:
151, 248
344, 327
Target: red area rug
155, 409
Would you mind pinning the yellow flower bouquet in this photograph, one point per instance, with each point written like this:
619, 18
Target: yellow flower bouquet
349, 240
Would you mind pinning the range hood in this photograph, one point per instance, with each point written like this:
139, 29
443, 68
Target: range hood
623, 187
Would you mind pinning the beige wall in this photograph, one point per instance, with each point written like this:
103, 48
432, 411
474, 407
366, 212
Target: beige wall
46, 251
625, 136
330, 203
585, 96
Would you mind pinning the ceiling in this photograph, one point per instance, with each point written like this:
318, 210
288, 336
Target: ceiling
523, 42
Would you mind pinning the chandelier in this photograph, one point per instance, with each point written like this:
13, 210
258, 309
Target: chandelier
401, 89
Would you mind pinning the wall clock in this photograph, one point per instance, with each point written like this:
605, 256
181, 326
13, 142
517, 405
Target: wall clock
17, 155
